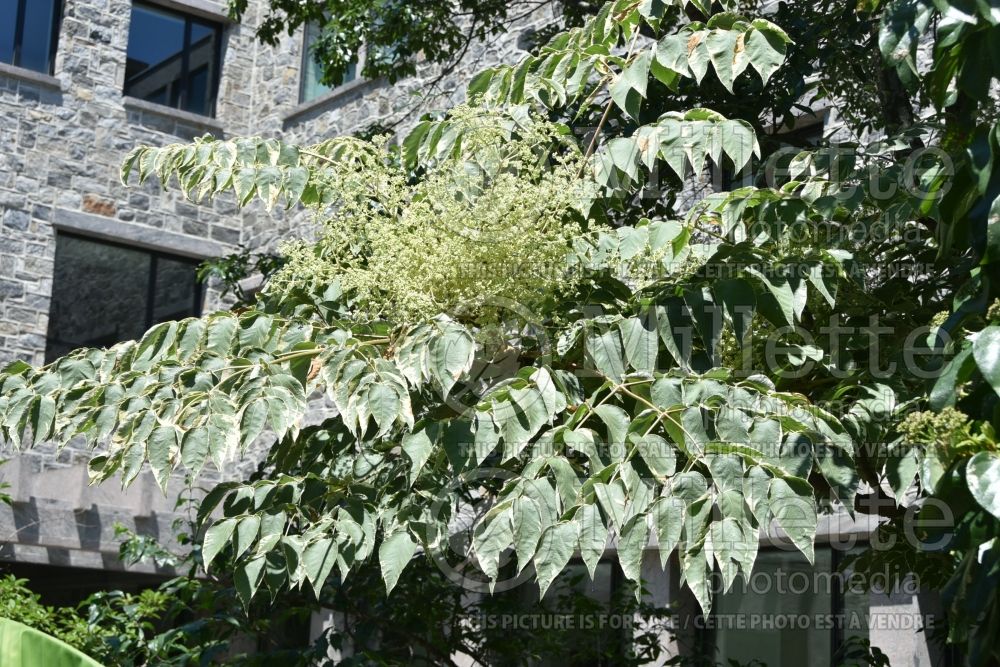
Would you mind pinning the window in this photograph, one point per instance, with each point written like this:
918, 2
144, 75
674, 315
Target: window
312, 74
173, 59
29, 31
581, 622
791, 612
104, 293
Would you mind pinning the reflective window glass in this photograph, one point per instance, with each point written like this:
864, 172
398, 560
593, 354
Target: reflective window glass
312, 73
176, 291
28, 33
790, 612
104, 293
8, 29
172, 59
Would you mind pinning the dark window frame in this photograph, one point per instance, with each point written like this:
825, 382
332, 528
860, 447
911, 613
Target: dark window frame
57, 10
216, 70
198, 298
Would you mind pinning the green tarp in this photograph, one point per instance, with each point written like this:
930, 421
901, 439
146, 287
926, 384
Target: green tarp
21, 646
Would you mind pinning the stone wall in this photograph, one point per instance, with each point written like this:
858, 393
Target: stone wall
62, 140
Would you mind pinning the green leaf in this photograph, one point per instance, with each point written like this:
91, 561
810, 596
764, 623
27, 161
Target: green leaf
689, 431
666, 393
393, 556
658, 454
734, 549
641, 346
223, 439
540, 490
672, 56
584, 441
739, 300
706, 315
932, 470
817, 278
689, 486
272, 525
43, 413
697, 53
605, 349
491, 536
451, 356
24, 645
668, 520
384, 405
671, 323
567, 483
840, 470
631, 544
721, 47
901, 469
216, 538
957, 371
556, 547
318, 560
986, 350
253, 421
696, 573
593, 536
992, 253
794, 511
247, 531
765, 48
194, 449
982, 473
783, 297
617, 422
487, 435
220, 335
417, 447
629, 89
727, 471
159, 447
247, 578
903, 23
612, 500
528, 520
155, 343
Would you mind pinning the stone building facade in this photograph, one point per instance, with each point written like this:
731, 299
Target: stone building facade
69, 231
64, 130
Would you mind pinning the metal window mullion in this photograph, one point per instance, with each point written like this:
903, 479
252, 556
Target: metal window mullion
151, 289
838, 608
215, 74
199, 295
57, 9
185, 65
18, 32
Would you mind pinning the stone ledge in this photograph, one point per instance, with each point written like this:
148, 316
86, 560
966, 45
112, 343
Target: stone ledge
252, 284
185, 117
151, 238
104, 560
331, 100
206, 9
30, 76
